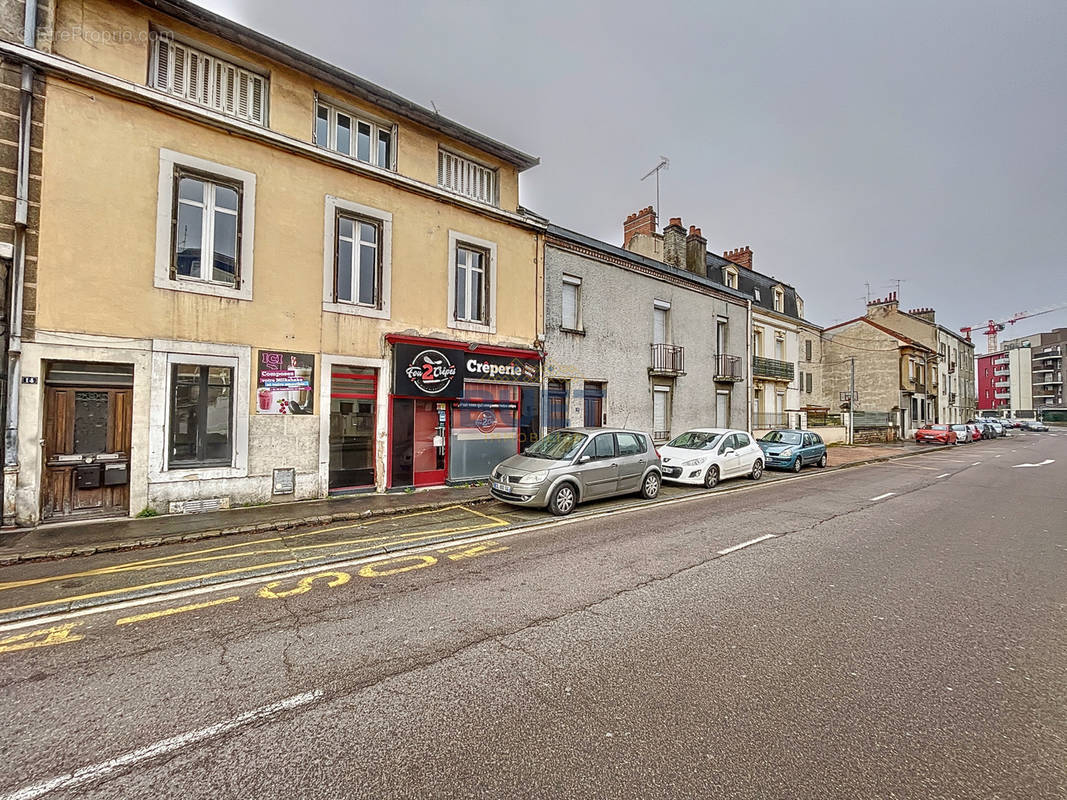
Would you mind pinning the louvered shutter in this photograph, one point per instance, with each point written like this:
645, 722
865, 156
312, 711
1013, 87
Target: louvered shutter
570, 306
257, 100
163, 61
178, 81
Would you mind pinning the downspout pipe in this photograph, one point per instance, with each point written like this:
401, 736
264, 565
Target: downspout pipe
22, 209
751, 393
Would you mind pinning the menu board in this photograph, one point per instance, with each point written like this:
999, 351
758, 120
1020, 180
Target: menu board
285, 383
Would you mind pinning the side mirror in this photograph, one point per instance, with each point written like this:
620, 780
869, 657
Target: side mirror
584, 460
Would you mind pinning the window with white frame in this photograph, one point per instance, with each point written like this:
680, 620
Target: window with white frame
357, 255
779, 299
466, 177
357, 264
208, 80
661, 412
756, 294
729, 276
367, 140
779, 347
204, 227
207, 228
572, 303
472, 283
800, 308
661, 331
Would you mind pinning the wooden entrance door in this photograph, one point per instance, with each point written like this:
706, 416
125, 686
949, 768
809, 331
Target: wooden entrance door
87, 435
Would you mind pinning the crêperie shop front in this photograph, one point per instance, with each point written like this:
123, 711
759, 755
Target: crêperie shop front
456, 409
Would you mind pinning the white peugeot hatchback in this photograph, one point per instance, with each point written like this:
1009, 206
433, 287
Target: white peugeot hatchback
708, 455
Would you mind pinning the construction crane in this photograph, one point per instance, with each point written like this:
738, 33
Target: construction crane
993, 327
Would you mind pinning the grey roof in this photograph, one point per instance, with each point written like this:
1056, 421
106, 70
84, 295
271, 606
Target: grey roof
372, 93
748, 280
649, 263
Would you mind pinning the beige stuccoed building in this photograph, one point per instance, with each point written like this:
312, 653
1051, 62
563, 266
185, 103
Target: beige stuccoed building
260, 277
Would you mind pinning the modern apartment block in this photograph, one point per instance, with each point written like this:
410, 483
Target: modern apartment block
1033, 383
257, 277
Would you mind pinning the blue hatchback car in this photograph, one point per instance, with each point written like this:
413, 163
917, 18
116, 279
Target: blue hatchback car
792, 449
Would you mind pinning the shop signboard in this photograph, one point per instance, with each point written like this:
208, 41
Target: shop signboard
285, 383
425, 371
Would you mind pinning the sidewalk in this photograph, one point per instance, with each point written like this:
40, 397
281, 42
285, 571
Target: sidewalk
83, 538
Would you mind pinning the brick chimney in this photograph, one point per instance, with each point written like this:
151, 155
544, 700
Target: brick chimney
696, 252
742, 256
641, 222
883, 307
674, 243
925, 314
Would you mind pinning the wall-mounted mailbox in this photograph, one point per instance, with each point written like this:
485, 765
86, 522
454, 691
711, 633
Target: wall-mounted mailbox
116, 474
88, 476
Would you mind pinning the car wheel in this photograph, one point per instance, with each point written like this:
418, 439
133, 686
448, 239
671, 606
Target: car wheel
822, 461
711, 477
650, 487
563, 500
797, 464
757, 469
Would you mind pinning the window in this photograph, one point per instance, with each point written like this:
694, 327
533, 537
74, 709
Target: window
756, 294
661, 412
471, 284
366, 140
357, 264
721, 336
358, 260
800, 308
471, 290
572, 303
779, 348
779, 300
602, 446
468, 178
807, 383
757, 342
557, 405
208, 81
729, 277
201, 416
728, 443
204, 227
207, 228
807, 349
630, 444
594, 404
660, 329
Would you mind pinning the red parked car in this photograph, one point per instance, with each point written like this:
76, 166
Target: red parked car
940, 434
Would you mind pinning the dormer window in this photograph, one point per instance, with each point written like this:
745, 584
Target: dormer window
208, 80
756, 294
779, 299
463, 176
800, 308
729, 277
365, 139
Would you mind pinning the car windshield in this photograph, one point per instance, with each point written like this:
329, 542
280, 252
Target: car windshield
959, 427
781, 437
558, 446
939, 427
695, 440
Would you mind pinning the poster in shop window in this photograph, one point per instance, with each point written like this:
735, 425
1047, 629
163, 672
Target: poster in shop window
285, 383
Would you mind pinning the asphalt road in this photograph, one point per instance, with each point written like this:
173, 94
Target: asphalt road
900, 632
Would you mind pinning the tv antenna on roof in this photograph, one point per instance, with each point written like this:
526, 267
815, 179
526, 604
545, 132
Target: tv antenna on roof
664, 163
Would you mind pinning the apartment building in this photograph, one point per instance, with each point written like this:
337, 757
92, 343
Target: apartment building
1036, 375
783, 347
640, 342
258, 277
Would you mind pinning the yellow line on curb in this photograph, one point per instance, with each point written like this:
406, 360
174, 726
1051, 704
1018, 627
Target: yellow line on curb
166, 612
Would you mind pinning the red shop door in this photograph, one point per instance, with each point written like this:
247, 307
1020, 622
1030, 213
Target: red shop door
430, 458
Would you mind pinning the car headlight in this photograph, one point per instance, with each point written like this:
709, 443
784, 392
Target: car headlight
693, 462
786, 453
534, 477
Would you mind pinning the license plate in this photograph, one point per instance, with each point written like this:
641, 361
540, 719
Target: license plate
500, 487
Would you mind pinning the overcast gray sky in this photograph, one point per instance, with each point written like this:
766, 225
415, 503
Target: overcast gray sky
845, 142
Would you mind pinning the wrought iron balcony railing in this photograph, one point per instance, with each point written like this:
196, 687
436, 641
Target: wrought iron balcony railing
667, 359
728, 369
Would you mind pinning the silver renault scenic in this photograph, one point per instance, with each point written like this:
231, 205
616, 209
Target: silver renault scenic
571, 465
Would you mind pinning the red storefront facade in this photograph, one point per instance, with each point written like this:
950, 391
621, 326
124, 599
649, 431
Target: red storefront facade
458, 408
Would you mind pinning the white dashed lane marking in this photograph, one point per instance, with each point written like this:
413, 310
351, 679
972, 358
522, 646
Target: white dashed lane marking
882, 496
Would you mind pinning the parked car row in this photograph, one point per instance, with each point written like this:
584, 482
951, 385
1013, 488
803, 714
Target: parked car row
572, 465
974, 430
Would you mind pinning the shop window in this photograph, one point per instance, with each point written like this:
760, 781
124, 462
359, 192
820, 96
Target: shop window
484, 430
557, 405
201, 416
353, 399
594, 404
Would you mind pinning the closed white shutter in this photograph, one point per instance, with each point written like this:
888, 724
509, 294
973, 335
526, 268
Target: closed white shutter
570, 305
465, 177
161, 74
722, 409
659, 410
659, 328
208, 81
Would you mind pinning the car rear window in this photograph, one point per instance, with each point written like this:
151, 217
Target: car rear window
630, 444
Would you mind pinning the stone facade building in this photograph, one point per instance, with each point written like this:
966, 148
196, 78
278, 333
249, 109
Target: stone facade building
639, 342
258, 277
